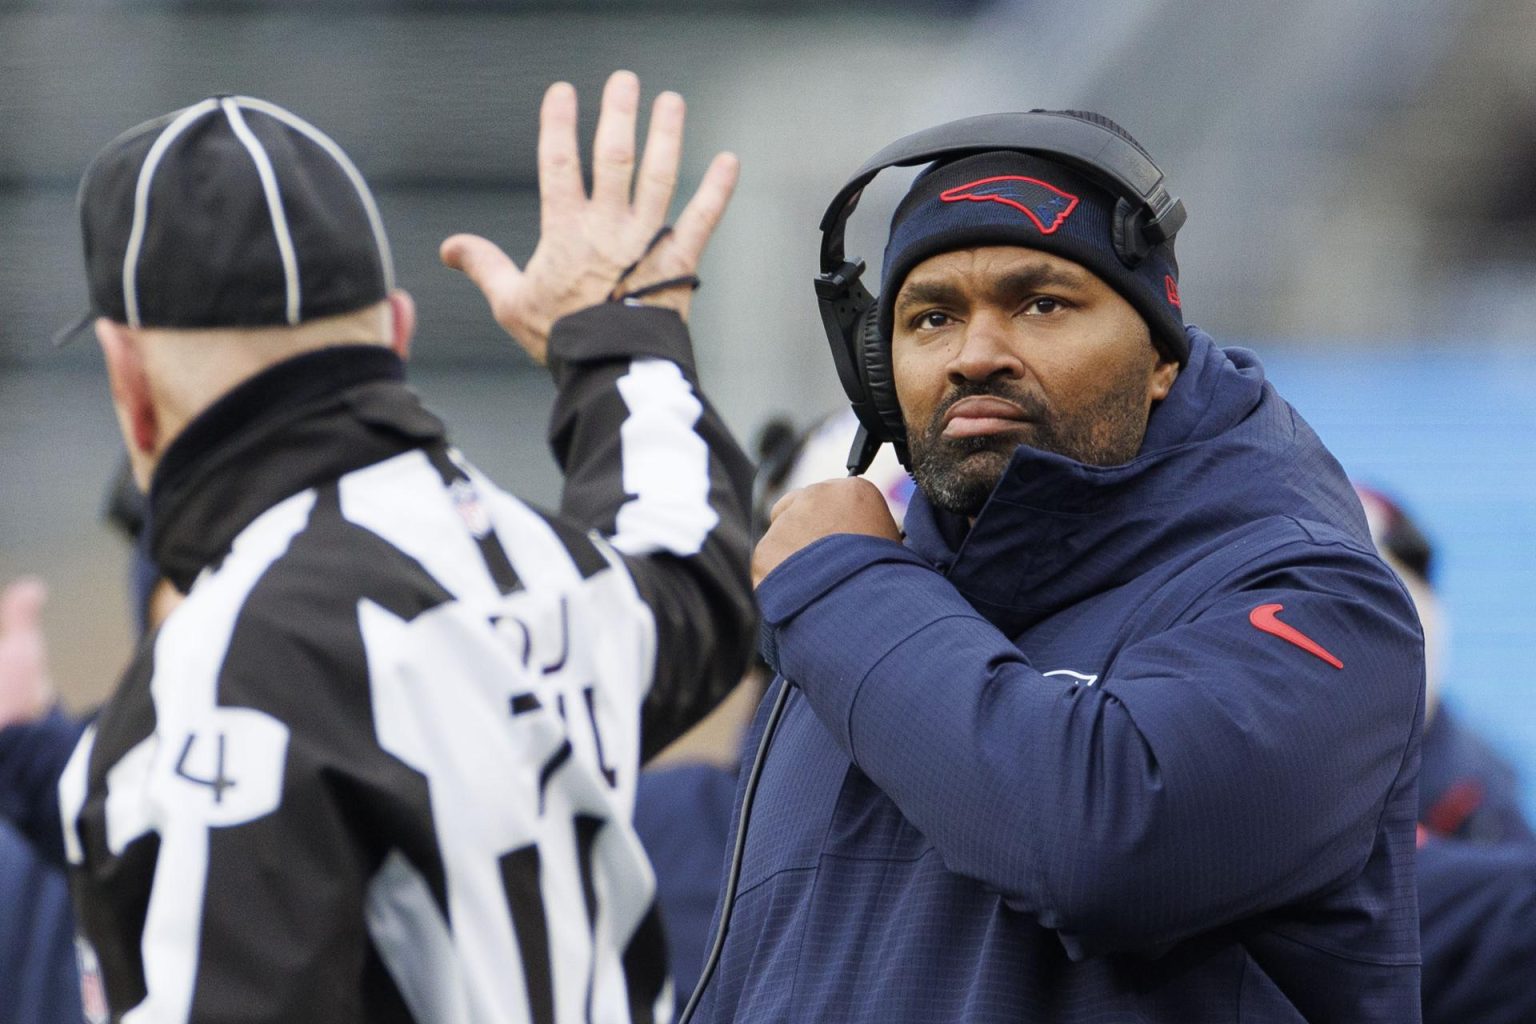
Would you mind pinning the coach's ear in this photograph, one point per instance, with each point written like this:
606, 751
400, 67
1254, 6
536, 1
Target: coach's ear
131, 396
402, 313
1161, 381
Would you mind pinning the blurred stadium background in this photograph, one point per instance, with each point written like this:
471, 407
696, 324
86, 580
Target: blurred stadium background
1358, 175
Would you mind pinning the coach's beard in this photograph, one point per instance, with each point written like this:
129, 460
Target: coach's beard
958, 475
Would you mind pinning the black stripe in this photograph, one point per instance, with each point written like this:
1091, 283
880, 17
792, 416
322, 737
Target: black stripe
520, 874
497, 563
462, 490
501, 622
523, 703
645, 967
558, 758
565, 643
382, 1001
609, 773
578, 544
587, 827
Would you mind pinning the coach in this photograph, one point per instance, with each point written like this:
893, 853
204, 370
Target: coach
380, 764
1127, 728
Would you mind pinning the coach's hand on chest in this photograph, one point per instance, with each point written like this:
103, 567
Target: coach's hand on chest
802, 517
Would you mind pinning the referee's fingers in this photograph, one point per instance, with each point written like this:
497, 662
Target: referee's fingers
613, 147
702, 214
658, 165
561, 193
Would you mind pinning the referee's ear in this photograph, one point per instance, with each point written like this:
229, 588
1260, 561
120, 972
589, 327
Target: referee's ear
402, 315
132, 396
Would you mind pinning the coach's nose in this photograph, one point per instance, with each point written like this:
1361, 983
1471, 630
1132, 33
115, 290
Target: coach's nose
987, 349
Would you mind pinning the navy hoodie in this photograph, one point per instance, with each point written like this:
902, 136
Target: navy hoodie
1139, 746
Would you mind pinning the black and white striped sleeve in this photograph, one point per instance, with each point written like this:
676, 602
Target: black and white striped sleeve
649, 463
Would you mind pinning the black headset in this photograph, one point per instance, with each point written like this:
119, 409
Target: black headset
1146, 216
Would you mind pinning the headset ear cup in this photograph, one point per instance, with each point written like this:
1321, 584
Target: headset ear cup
879, 382
1129, 234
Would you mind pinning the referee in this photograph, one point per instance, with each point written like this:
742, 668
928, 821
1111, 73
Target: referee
380, 764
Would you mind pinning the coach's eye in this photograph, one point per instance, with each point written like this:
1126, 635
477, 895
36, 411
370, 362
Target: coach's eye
1043, 305
930, 319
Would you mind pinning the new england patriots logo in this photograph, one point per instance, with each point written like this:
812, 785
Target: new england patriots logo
1043, 203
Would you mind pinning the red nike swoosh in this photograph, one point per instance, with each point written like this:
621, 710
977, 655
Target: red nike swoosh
1264, 618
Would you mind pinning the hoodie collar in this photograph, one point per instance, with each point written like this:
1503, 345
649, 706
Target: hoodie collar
1056, 530
304, 421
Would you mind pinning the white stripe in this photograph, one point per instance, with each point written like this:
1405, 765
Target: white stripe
141, 203
665, 464
325, 142
414, 942
73, 783
129, 815
274, 204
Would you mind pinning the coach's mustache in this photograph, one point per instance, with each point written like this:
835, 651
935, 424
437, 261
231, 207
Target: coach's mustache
1032, 406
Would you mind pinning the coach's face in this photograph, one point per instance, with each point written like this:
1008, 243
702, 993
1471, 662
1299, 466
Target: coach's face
1000, 346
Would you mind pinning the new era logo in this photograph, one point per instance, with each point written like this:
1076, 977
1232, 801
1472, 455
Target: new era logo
1043, 203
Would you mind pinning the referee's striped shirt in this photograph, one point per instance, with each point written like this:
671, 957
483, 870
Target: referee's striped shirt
380, 765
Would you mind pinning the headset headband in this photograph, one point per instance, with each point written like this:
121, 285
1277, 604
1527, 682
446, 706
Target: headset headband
1057, 136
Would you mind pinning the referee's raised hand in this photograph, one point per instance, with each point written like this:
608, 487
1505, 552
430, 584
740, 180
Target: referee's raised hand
595, 248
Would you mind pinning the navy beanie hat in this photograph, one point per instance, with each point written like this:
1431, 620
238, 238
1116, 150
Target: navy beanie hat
1013, 198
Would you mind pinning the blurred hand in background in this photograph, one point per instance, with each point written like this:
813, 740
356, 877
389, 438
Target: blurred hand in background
26, 692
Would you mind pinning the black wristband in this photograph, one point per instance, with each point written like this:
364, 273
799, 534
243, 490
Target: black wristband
691, 281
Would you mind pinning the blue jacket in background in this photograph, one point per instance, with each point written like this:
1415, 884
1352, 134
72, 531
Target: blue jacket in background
683, 816
32, 757
1062, 768
39, 982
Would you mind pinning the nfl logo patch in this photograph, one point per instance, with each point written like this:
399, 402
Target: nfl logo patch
466, 500
93, 994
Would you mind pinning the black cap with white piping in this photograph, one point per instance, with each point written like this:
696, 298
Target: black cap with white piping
232, 212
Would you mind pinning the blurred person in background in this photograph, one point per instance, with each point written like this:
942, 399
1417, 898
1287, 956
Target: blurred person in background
38, 980
1466, 790
38, 963
1126, 726
312, 797
1476, 862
